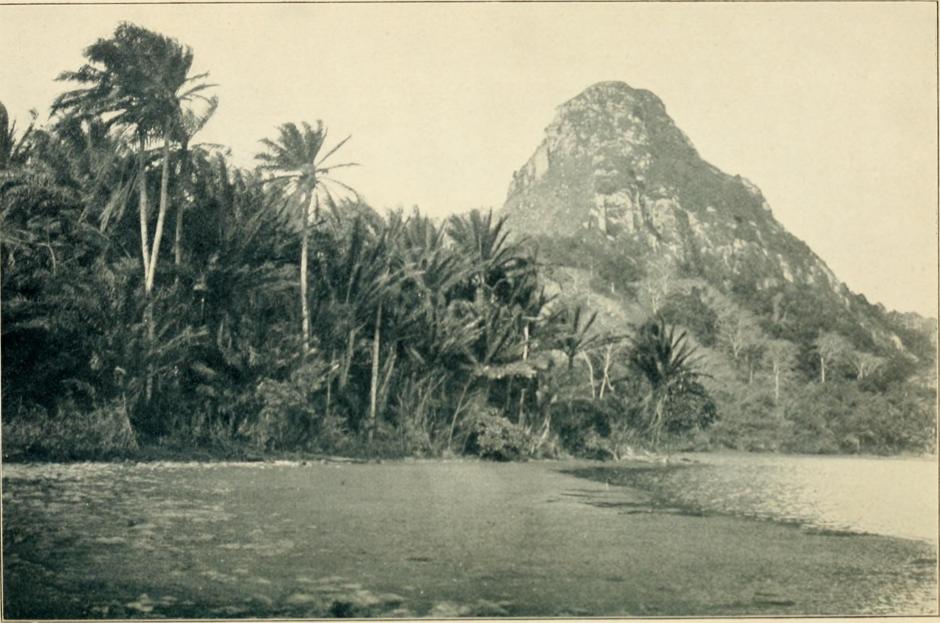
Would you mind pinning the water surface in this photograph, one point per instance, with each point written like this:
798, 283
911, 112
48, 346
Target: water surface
889, 496
438, 539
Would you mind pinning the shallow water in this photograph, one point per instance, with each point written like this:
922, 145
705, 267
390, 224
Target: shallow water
438, 539
888, 496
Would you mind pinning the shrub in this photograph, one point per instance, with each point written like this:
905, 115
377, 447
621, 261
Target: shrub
494, 437
288, 417
414, 410
580, 424
690, 409
749, 420
70, 434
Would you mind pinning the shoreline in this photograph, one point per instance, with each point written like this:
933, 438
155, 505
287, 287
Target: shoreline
158, 454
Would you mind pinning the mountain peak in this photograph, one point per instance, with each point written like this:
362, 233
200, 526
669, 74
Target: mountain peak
616, 90
609, 127
614, 168
616, 112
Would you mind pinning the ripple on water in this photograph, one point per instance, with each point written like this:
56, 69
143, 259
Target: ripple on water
893, 497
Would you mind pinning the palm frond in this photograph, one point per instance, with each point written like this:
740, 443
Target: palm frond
334, 150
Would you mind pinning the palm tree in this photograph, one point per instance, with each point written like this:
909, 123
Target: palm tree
485, 243
300, 171
363, 278
138, 81
190, 123
666, 361
84, 156
574, 335
11, 148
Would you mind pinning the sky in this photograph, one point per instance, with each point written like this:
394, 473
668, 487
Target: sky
829, 108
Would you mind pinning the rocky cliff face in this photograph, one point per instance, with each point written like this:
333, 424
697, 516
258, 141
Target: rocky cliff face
614, 163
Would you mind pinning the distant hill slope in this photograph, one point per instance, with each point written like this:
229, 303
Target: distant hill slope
615, 188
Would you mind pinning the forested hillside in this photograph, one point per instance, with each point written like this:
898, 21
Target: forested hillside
155, 295
625, 211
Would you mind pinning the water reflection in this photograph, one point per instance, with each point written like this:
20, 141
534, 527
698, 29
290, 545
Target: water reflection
889, 496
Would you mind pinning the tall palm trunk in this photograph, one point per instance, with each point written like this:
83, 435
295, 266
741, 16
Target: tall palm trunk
161, 214
144, 210
143, 207
150, 264
374, 385
304, 260
184, 186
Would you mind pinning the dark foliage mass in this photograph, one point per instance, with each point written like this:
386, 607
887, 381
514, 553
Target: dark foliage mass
154, 294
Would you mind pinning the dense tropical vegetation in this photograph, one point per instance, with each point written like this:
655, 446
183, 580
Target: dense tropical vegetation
286, 314
781, 373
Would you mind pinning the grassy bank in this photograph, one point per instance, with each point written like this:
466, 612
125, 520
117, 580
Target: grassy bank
415, 539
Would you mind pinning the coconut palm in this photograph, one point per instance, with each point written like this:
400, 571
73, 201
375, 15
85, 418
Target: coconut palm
138, 81
95, 164
300, 171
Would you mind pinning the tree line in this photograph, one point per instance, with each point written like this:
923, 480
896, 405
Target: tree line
155, 294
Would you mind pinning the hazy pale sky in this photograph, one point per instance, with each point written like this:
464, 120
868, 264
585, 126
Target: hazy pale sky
830, 109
